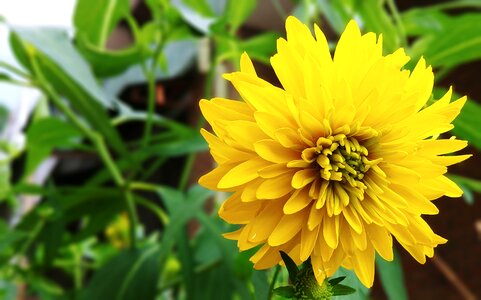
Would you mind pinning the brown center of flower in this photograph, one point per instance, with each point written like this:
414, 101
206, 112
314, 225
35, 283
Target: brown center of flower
339, 158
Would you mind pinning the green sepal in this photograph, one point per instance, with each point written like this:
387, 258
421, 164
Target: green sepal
336, 280
285, 291
290, 265
340, 290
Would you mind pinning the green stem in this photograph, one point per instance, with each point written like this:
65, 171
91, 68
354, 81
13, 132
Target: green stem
151, 80
96, 139
33, 234
13, 69
161, 214
129, 199
143, 186
397, 17
77, 268
273, 282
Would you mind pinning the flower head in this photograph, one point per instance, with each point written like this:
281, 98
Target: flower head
341, 159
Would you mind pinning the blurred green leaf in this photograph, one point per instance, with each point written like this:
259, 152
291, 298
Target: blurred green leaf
94, 20
237, 12
362, 292
422, 21
468, 185
106, 63
45, 135
375, 18
392, 278
70, 76
467, 124
260, 47
133, 274
261, 284
5, 175
446, 41
337, 13
200, 6
3, 117
285, 291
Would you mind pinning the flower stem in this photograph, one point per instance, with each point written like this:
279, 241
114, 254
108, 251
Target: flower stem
273, 282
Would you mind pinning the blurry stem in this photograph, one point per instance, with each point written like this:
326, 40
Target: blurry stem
161, 214
395, 13
33, 234
144, 186
77, 271
453, 278
13, 69
273, 282
129, 199
189, 163
151, 81
96, 139
279, 9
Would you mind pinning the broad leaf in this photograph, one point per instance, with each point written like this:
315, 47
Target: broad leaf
94, 20
133, 274
392, 279
69, 75
237, 12
44, 136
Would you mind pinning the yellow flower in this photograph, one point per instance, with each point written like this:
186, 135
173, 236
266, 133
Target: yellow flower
344, 157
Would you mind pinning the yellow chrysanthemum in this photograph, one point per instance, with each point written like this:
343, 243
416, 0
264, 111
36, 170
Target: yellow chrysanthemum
338, 162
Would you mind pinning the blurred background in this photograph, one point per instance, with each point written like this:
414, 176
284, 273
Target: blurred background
100, 149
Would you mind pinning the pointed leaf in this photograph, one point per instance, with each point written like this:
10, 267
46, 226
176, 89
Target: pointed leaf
341, 290
290, 265
285, 291
336, 280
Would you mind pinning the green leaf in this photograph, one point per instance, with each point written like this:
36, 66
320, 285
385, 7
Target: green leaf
342, 290
261, 284
237, 12
260, 47
376, 19
362, 293
106, 63
285, 291
392, 279
290, 265
336, 280
467, 124
133, 274
422, 21
455, 40
94, 20
467, 185
45, 135
202, 7
337, 13
69, 75
3, 117
5, 175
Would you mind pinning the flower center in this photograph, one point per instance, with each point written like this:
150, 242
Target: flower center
339, 158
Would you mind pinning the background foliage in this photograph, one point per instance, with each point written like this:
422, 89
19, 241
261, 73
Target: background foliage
93, 240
